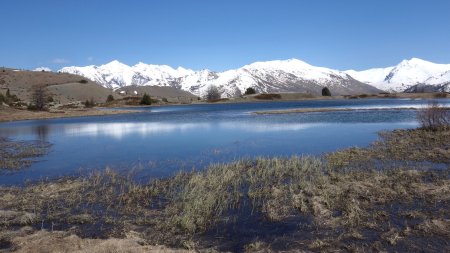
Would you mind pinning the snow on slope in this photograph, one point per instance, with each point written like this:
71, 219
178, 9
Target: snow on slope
272, 76
405, 75
276, 76
46, 69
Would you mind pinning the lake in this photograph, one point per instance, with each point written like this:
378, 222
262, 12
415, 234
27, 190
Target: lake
160, 141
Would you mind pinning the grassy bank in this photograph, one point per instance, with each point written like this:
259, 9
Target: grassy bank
391, 196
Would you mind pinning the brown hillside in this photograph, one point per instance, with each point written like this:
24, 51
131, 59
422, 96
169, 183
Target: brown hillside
66, 88
62, 87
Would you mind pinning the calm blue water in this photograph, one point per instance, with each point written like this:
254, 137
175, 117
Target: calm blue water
162, 140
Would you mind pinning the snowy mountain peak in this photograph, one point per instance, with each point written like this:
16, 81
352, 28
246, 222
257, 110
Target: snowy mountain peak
406, 74
115, 64
278, 64
291, 75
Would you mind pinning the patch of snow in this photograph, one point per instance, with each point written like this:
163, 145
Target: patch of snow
46, 69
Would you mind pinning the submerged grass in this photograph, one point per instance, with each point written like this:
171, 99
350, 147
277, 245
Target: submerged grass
340, 202
17, 155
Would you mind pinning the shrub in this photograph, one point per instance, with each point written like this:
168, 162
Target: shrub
38, 98
8, 98
250, 91
32, 107
165, 100
212, 93
440, 95
50, 99
89, 103
146, 100
83, 81
269, 96
326, 92
110, 98
434, 117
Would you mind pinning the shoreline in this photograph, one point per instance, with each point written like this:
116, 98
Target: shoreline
12, 114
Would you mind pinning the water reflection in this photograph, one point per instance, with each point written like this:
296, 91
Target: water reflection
39, 132
120, 130
267, 127
42, 132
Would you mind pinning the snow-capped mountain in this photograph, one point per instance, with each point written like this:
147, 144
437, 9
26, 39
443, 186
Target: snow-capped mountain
116, 74
414, 75
272, 76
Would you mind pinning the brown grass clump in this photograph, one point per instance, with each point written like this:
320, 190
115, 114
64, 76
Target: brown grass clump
44, 241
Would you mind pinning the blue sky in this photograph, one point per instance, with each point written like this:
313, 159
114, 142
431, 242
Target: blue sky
220, 35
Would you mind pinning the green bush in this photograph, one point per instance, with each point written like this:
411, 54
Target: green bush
326, 92
165, 100
83, 81
146, 100
110, 98
250, 91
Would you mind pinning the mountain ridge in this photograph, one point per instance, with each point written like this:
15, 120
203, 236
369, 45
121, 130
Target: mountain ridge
408, 76
291, 75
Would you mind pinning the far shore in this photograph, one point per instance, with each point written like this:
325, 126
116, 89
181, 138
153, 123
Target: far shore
12, 114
